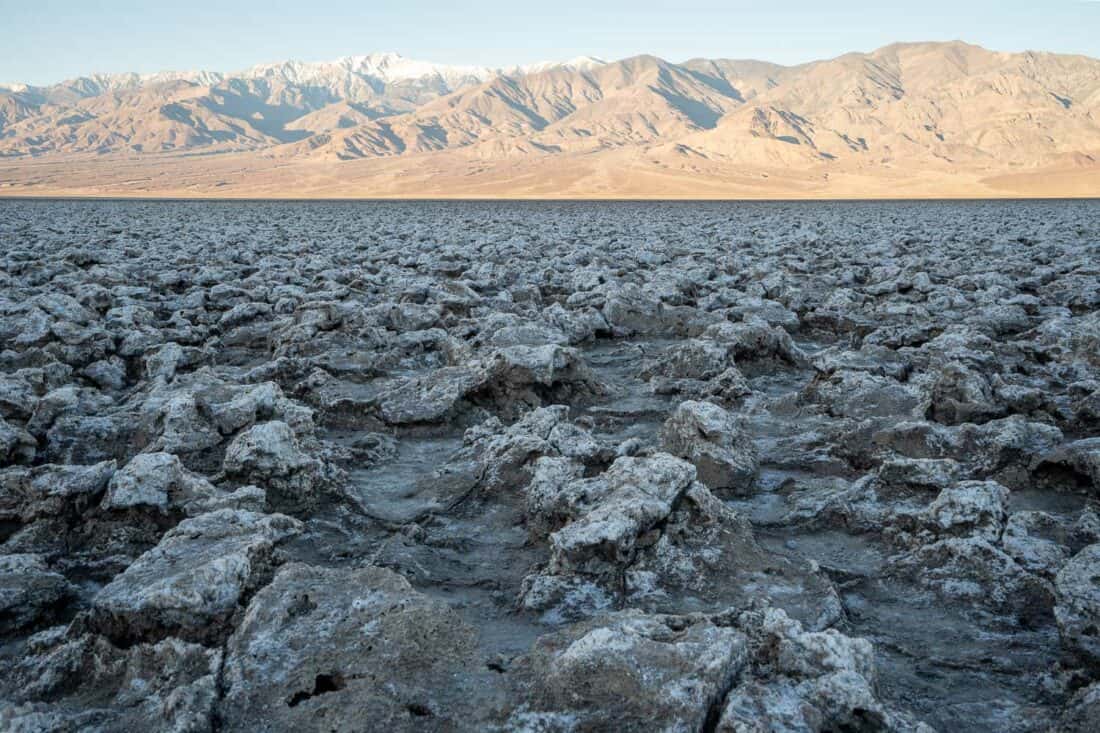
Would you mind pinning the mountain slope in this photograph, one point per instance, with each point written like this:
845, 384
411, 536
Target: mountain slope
911, 114
937, 104
634, 101
255, 108
934, 103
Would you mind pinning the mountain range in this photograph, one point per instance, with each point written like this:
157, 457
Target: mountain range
915, 119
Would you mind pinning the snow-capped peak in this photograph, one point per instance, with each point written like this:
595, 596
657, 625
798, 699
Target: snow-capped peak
385, 67
95, 84
390, 67
578, 63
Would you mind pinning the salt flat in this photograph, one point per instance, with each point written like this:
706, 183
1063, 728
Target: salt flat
549, 466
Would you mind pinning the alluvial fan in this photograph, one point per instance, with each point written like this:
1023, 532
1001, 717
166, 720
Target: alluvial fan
549, 467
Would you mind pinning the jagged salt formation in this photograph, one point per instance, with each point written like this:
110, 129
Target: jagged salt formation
570, 467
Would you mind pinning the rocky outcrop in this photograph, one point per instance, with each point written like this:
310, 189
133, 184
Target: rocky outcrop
87, 683
710, 438
1078, 604
629, 671
352, 646
193, 582
30, 592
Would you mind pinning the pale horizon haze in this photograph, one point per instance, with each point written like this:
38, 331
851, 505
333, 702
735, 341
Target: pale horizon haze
51, 41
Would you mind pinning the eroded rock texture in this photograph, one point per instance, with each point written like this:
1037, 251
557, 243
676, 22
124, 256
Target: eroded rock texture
549, 467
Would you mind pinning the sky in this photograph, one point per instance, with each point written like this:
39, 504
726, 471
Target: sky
46, 41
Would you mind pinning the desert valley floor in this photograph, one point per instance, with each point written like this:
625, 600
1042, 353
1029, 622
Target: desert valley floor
627, 174
471, 466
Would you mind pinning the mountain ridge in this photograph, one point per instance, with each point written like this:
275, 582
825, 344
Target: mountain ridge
389, 66
909, 112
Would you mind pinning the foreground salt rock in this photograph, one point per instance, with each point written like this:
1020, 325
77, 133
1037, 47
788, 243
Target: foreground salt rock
1082, 712
1081, 457
270, 454
754, 340
341, 647
751, 671
507, 381
1002, 449
1078, 603
30, 592
508, 457
645, 533
969, 508
806, 681
42, 492
629, 671
434, 398
192, 583
16, 445
710, 438
698, 369
170, 685
159, 482
198, 413
860, 395
640, 493
975, 571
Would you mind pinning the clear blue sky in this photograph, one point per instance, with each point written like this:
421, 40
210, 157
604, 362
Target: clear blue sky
44, 41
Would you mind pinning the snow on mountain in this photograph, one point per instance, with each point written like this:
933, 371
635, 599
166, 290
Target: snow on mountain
378, 68
96, 84
259, 106
922, 105
578, 63
393, 68
386, 67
